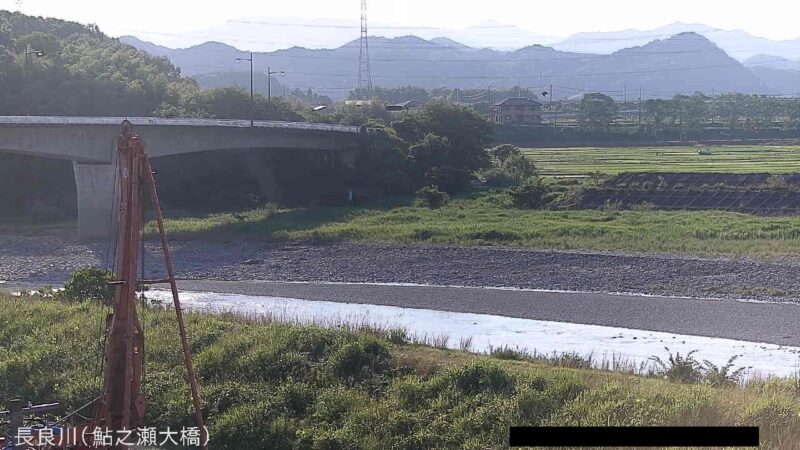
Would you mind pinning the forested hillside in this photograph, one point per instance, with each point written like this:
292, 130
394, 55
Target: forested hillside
81, 71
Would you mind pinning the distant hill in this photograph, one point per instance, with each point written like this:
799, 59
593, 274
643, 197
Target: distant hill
737, 43
240, 79
684, 63
772, 61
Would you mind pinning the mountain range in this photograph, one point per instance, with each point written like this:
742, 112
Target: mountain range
737, 43
685, 62
273, 33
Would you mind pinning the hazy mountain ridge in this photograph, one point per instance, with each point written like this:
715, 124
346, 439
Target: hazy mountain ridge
272, 33
684, 63
737, 43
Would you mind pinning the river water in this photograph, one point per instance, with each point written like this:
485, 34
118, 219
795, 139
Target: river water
485, 332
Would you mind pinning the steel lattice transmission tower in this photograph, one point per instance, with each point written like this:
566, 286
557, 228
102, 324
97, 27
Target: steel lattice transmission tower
364, 77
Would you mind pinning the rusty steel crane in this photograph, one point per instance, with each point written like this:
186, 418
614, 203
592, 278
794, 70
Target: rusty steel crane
121, 406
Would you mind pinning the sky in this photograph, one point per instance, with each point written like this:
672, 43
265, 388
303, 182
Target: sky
181, 21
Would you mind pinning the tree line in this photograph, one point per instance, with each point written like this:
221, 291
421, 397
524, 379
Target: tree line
595, 111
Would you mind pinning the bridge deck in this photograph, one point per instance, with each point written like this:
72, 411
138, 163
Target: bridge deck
155, 121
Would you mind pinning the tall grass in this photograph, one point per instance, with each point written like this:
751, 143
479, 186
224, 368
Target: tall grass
275, 385
485, 219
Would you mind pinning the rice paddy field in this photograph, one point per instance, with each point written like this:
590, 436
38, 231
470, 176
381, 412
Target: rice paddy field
613, 160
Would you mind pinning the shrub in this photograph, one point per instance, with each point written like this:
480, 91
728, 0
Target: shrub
431, 197
503, 152
360, 360
644, 207
721, 376
476, 378
529, 195
680, 368
776, 181
509, 353
89, 283
497, 178
520, 168
612, 206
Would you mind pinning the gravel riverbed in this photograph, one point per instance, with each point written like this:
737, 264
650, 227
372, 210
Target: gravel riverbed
49, 258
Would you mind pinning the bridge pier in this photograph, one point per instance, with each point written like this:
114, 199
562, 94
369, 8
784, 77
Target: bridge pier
95, 184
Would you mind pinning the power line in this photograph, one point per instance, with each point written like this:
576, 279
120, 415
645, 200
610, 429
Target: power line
501, 77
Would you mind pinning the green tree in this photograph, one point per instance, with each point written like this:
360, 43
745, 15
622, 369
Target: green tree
655, 113
598, 111
793, 112
459, 136
693, 109
503, 152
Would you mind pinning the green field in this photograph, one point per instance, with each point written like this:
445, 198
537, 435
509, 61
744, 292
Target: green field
282, 386
484, 219
613, 160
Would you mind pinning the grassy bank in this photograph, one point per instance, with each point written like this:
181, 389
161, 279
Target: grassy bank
482, 219
271, 385
613, 160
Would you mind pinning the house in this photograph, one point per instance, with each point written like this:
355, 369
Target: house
359, 102
518, 111
404, 106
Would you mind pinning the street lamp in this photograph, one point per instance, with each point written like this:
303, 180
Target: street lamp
28, 53
250, 59
270, 73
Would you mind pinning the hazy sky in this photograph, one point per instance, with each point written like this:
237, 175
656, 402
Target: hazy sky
775, 19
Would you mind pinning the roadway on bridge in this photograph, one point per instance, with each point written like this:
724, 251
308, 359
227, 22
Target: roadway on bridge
775, 323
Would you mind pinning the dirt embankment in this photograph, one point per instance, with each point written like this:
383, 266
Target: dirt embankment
755, 193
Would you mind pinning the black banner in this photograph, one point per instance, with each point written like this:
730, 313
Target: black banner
634, 436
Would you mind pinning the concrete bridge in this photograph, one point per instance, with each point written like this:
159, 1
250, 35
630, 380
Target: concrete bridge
90, 142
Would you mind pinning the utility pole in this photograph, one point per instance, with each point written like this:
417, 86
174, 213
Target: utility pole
640, 106
251, 83
552, 111
625, 103
269, 93
713, 103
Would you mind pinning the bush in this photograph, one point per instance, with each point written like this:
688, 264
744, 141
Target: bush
722, 376
776, 181
679, 368
514, 170
503, 152
89, 283
644, 207
520, 168
431, 197
360, 360
529, 195
498, 178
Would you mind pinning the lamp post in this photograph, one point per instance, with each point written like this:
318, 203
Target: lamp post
28, 53
270, 73
250, 59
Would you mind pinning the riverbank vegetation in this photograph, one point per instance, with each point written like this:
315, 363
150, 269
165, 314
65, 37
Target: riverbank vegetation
489, 218
277, 385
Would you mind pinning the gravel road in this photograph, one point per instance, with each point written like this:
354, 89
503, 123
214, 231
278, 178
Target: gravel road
49, 258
